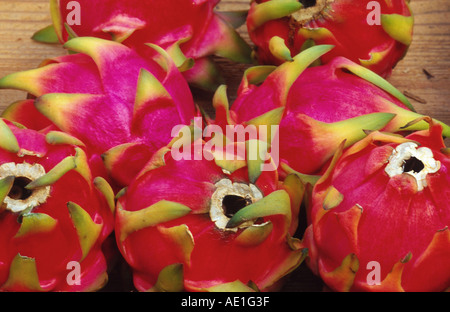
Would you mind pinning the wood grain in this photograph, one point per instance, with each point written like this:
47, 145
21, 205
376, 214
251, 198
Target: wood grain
424, 74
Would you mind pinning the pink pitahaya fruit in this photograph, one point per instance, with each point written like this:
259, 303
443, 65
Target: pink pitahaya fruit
374, 34
318, 107
190, 31
54, 213
208, 223
380, 215
121, 105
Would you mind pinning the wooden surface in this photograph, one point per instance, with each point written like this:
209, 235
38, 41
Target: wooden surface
430, 51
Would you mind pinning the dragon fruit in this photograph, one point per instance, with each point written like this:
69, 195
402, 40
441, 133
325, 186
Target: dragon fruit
120, 105
190, 31
54, 214
209, 223
375, 34
380, 214
318, 107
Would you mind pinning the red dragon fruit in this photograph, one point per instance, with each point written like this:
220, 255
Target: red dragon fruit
121, 105
375, 34
190, 31
54, 214
318, 107
209, 223
380, 215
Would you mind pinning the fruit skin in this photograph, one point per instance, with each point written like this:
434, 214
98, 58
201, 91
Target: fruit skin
165, 231
347, 24
68, 214
360, 214
318, 107
121, 105
190, 31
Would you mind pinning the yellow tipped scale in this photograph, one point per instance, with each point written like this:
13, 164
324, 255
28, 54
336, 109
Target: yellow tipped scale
35, 223
149, 91
30, 81
230, 44
59, 107
344, 275
276, 203
170, 279
105, 188
398, 27
182, 238
332, 198
181, 61
64, 166
8, 140
254, 235
22, 274
221, 105
271, 10
255, 75
88, 231
5, 187
287, 73
157, 213
278, 48
59, 137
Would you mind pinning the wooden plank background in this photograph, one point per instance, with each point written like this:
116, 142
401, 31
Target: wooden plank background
430, 51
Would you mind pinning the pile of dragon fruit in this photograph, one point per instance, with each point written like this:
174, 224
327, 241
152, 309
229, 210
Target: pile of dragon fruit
110, 159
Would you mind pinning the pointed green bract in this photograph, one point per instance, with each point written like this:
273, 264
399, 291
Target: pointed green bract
181, 61
353, 129
377, 80
36, 223
56, 18
305, 178
8, 140
88, 231
58, 137
29, 80
231, 45
255, 234
157, 213
221, 104
332, 198
272, 10
82, 165
105, 188
54, 174
236, 286
182, 238
270, 118
286, 74
345, 273
58, 107
279, 49
257, 152
255, 75
22, 274
149, 90
5, 187
46, 35
276, 203
398, 27
170, 279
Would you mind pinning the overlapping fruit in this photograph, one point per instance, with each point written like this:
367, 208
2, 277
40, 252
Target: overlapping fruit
122, 105
374, 34
384, 202
110, 139
54, 212
192, 32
